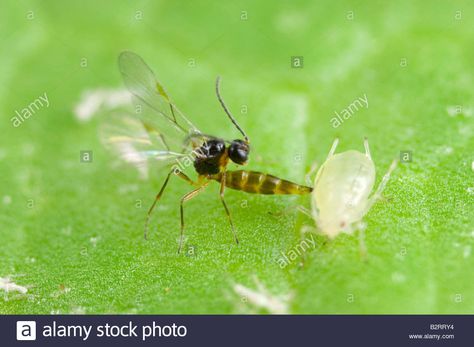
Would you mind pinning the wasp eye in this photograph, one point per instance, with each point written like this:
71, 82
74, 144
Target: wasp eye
239, 152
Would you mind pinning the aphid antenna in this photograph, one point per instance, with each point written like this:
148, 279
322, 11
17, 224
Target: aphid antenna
232, 119
367, 148
333, 148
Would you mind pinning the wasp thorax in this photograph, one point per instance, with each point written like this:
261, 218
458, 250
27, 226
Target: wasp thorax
239, 151
208, 158
213, 148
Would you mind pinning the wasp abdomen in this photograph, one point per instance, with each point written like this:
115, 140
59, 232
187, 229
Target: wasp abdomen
260, 183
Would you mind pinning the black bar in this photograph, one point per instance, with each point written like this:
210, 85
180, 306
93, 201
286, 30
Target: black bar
238, 330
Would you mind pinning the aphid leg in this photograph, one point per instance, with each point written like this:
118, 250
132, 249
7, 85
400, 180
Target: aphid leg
158, 196
381, 187
305, 229
287, 210
310, 173
314, 213
333, 148
308, 229
304, 210
362, 246
222, 190
186, 197
367, 149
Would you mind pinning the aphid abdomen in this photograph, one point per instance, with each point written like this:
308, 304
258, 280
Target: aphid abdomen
345, 182
342, 188
260, 183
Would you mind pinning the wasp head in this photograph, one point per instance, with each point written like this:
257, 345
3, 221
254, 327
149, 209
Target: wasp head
239, 151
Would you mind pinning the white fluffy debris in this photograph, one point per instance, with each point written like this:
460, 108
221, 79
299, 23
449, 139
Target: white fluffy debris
457, 110
7, 285
7, 199
261, 298
94, 100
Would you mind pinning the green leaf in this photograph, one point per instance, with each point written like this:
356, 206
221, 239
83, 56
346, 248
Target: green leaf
71, 233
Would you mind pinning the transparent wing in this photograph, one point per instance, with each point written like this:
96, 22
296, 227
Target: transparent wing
127, 137
165, 124
154, 129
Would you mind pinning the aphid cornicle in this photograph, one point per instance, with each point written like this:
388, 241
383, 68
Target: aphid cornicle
160, 131
342, 187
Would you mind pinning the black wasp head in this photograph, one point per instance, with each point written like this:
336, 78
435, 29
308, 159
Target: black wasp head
239, 151
213, 148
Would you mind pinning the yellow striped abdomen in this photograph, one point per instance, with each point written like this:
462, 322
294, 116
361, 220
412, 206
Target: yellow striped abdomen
260, 183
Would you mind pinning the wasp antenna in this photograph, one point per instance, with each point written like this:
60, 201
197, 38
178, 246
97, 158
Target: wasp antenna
232, 119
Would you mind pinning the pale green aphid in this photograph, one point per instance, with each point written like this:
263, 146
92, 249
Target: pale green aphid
342, 191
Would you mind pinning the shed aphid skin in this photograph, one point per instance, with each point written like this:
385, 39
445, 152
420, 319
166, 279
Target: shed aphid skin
8, 285
342, 188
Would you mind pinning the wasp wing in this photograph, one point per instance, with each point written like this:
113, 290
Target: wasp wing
155, 129
127, 137
163, 121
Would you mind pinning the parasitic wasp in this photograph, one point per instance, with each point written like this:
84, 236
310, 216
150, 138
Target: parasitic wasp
160, 131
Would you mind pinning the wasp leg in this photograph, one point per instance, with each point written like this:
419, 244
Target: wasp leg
381, 187
160, 193
225, 207
185, 198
